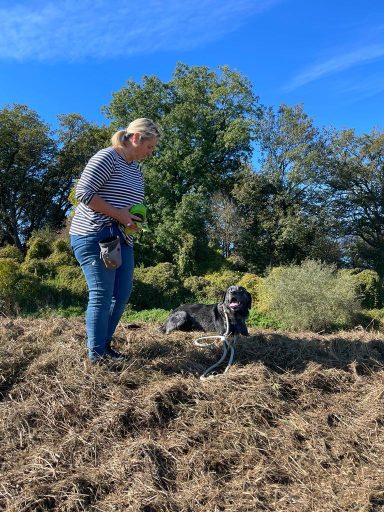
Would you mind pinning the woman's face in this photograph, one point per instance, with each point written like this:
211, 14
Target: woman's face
144, 148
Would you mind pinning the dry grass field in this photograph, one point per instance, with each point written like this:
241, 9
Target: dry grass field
296, 425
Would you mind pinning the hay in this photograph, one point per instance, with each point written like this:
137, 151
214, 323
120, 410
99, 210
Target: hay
296, 425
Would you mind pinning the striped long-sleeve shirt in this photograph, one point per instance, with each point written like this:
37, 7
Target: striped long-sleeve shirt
109, 176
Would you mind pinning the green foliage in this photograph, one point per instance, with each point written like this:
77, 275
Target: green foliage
218, 282
226, 223
196, 287
21, 292
62, 254
31, 294
260, 320
28, 178
283, 204
71, 278
38, 267
78, 141
49, 277
40, 245
368, 285
9, 275
208, 121
252, 283
157, 287
376, 318
353, 177
12, 252
46, 253
312, 296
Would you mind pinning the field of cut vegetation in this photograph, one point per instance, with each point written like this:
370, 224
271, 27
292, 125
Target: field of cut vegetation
296, 425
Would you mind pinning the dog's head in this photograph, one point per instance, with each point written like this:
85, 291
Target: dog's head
237, 300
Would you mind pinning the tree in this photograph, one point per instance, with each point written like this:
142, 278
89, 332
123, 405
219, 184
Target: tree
208, 120
226, 223
283, 202
38, 169
78, 140
27, 153
354, 177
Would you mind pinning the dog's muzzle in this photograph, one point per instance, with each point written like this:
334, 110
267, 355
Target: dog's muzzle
234, 303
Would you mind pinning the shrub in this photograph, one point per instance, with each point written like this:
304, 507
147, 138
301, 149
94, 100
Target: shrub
40, 245
38, 267
32, 295
261, 320
58, 259
72, 279
218, 282
196, 288
12, 252
9, 275
20, 292
62, 253
157, 287
376, 318
368, 285
252, 283
62, 245
312, 296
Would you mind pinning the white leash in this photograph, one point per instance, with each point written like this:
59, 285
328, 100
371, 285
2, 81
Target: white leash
227, 346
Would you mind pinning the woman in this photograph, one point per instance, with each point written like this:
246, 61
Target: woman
110, 184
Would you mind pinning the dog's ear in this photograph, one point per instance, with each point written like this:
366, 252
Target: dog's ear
224, 296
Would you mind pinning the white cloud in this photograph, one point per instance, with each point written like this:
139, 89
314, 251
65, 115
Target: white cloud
337, 64
45, 30
364, 88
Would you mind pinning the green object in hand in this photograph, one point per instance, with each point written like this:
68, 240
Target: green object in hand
139, 210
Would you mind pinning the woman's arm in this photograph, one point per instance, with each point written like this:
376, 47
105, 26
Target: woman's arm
122, 215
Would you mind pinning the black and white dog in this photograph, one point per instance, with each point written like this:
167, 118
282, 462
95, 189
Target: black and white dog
213, 317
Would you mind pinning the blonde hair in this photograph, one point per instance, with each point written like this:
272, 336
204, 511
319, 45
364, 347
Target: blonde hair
145, 127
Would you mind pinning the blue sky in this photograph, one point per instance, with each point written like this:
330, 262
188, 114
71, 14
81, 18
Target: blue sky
69, 56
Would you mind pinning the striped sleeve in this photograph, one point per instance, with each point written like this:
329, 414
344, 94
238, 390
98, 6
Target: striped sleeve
98, 170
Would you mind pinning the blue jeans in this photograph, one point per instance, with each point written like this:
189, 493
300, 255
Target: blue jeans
109, 290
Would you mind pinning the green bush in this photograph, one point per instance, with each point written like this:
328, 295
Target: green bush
157, 287
376, 318
196, 287
261, 320
31, 294
58, 259
41, 268
62, 253
218, 282
211, 287
9, 275
12, 252
72, 279
368, 285
62, 245
21, 292
252, 283
214, 261
312, 296
40, 245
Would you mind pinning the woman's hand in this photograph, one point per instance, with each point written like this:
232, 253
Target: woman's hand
122, 215
126, 218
